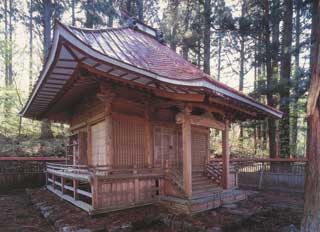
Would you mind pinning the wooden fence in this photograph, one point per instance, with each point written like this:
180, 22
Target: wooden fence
23, 172
271, 174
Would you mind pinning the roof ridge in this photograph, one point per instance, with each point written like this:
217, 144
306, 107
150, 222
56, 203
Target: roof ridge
96, 29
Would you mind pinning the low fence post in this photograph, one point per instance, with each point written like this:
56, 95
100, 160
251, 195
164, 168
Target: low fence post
261, 176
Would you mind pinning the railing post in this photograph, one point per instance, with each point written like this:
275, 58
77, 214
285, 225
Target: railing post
166, 166
62, 185
75, 188
53, 182
136, 186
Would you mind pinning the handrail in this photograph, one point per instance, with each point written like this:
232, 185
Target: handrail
36, 158
101, 170
263, 160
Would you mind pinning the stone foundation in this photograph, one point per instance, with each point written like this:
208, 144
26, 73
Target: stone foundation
193, 206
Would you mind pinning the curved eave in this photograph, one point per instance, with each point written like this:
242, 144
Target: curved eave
67, 45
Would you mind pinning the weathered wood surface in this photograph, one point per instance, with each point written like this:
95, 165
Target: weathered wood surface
310, 221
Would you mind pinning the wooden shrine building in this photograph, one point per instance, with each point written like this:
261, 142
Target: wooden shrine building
140, 117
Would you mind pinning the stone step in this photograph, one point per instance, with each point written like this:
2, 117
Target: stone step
199, 177
204, 188
196, 174
201, 182
210, 191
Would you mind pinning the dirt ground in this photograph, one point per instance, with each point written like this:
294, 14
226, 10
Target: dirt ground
40, 210
17, 214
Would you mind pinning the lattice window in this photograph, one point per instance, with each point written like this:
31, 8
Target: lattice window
129, 143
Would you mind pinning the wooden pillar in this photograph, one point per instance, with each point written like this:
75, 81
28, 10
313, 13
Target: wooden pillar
148, 137
109, 133
89, 144
225, 156
186, 150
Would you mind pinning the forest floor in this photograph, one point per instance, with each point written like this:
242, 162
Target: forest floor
18, 214
40, 210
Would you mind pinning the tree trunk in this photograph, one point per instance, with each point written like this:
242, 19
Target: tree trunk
242, 60
10, 72
73, 14
30, 47
311, 215
207, 36
6, 42
90, 14
110, 14
46, 131
219, 55
139, 4
173, 6
270, 100
294, 121
285, 78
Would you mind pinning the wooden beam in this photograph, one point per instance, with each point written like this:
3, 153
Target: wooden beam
187, 154
179, 97
238, 108
200, 121
225, 156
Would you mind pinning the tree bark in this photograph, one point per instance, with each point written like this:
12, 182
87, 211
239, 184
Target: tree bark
207, 36
30, 47
285, 78
219, 55
294, 121
311, 215
73, 14
46, 131
270, 100
139, 4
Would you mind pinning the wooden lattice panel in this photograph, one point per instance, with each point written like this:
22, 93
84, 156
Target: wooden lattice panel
98, 137
128, 143
199, 149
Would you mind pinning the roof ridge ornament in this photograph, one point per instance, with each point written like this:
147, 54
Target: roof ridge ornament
135, 24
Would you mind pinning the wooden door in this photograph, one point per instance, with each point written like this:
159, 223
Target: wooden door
165, 146
98, 143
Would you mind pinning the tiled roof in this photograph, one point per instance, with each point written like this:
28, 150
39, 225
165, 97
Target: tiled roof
140, 50
126, 54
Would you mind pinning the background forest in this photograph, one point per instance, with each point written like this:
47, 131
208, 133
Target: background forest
260, 47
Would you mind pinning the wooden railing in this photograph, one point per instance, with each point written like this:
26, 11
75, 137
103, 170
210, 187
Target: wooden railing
102, 189
272, 174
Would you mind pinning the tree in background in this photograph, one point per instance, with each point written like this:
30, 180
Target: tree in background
310, 221
285, 74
